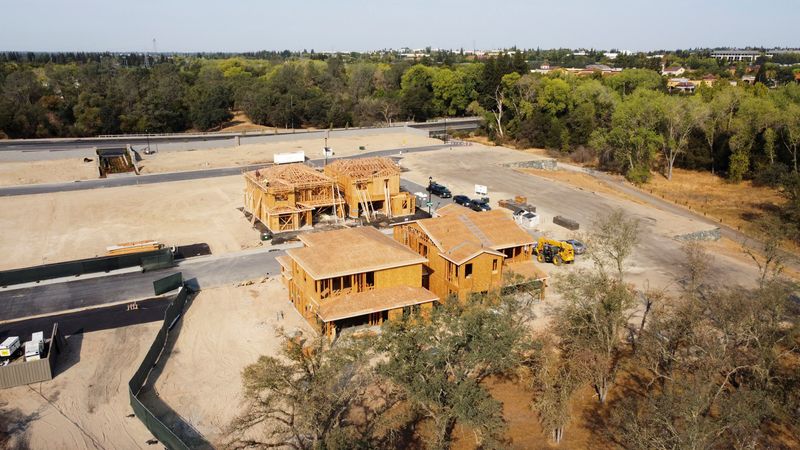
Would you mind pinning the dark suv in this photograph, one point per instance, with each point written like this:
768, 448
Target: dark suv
439, 190
462, 200
479, 205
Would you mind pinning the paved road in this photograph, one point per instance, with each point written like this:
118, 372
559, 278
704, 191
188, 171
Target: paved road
114, 316
178, 176
726, 231
199, 272
71, 144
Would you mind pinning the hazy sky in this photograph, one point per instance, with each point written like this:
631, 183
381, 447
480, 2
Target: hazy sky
244, 25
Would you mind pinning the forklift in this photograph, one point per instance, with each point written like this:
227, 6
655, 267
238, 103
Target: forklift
556, 252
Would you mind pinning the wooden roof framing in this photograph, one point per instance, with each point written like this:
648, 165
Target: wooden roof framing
289, 177
360, 169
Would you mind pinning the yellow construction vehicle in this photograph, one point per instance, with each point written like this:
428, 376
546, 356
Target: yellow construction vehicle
556, 252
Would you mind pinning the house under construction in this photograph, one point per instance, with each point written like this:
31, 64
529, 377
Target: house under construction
370, 186
285, 197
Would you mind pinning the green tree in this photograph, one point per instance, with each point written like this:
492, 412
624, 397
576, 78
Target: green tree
439, 363
680, 117
210, 100
302, 400
633, 137
628, 81
417, 92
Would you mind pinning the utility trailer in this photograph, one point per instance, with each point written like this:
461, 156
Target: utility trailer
289, 157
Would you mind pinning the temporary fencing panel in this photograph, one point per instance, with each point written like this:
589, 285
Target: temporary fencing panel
167, 284
156, 258
161, 431
156, 262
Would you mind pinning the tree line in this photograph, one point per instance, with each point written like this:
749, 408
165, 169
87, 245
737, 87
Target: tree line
707, 366
627, 121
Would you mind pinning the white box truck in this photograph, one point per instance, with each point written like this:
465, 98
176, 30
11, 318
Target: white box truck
290, 157
9, 346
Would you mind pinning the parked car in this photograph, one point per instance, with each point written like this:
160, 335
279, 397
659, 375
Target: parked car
480, 204
439, 190
421, 197
462, 200
578, 246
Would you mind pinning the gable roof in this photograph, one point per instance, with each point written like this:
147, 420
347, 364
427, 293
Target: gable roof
350, 250
362, 303
487, 230
466, 251
451, 209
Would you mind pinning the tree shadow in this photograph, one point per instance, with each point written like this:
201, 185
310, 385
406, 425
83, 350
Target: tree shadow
14, 428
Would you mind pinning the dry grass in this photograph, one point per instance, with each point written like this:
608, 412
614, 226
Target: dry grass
581, 181
241, 122
738, 205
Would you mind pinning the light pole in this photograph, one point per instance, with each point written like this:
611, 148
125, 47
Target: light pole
325, 148
430, 183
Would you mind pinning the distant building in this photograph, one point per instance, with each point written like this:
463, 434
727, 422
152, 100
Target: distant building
737, 55
749, 79
673, 71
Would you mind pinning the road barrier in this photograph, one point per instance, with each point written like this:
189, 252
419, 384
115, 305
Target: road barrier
152, 260
165, 434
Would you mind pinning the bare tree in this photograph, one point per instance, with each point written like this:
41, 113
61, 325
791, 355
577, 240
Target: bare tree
711, 372
680, 118
591, 323
499, 98
767, 252
695, 265
553, 383
613, 240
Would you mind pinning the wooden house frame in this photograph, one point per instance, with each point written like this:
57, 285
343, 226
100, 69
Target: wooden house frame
469, 252
354, 278
371, 185
284, 197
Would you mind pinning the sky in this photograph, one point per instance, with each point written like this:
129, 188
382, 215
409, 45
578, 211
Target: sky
359, 25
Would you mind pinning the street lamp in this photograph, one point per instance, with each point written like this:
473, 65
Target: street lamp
430, 183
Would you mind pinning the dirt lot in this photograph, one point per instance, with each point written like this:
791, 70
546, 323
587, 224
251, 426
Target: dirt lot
50, 171
86, 405
70, 225
71, 169
223, 330
176, 161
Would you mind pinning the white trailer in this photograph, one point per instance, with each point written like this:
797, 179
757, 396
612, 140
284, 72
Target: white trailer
33, 350
9, 346
289, 157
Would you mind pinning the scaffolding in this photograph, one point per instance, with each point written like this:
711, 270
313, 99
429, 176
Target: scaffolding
371, 185
283, 197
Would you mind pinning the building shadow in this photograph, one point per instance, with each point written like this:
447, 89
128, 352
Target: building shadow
71, 354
